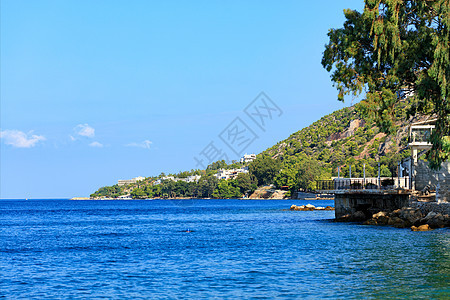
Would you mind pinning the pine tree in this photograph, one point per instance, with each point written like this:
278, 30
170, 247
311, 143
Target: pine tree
396, 48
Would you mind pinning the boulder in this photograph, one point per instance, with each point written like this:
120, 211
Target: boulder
307, 207
395, 213
380, 218
359, 216
344, 218
425, 227
436, 221
379, 214
411, 215
429, 216
447, 220
356, 217
371, 222
383, 220
329, 208
397, 222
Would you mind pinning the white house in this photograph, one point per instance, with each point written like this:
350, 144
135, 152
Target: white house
230, 174
248, 158
122, 182
192, 178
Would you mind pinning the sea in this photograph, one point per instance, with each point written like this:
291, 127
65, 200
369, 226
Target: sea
211, 249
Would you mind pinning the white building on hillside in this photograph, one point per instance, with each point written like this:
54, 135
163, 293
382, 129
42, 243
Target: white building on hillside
122, 182
192, 178
164, 178
248, 158
230, 174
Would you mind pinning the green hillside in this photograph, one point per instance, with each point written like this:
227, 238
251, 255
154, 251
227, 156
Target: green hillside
345, 137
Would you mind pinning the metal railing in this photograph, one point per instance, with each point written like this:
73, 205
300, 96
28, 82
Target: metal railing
362, 184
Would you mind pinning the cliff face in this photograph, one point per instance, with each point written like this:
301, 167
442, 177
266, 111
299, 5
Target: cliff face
268, 193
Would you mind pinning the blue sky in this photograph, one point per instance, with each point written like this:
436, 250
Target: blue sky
96, 91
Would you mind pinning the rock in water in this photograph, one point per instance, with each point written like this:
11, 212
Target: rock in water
425, 227
371, 222
359, 216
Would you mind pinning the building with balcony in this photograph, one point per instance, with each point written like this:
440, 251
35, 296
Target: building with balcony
122, 182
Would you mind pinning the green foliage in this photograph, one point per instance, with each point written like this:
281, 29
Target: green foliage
392, 49
108, 192
138, 194
220, 164
309, 171
226, 189
317, 151
246, 183
264, 168
446, 144
385, 172
206, 186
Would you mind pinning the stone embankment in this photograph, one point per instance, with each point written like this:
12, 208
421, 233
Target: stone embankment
310, 207
418, 218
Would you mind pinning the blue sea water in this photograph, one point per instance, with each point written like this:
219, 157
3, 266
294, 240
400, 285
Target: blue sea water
245, 249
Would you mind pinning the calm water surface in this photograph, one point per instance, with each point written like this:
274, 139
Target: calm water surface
237, 249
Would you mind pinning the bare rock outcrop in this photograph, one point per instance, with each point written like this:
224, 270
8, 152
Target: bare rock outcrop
310, 207
409, 217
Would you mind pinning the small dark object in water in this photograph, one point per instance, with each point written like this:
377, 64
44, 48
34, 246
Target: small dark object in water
187, 231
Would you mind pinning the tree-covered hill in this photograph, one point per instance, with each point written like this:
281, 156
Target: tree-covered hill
345, 137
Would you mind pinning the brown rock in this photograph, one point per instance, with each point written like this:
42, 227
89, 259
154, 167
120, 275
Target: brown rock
383, 220
359, 216
395, 213
379, 214
425, 227
410, 215
371, 222
436, 221
397, 222
344, 218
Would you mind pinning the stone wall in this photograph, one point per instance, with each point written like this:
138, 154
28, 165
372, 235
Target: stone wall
443, 189
426, 207
441, 179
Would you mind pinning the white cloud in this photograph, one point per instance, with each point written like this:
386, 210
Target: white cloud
84, 130
145, 144
96, 144
20, 139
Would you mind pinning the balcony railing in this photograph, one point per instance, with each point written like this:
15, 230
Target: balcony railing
362, 184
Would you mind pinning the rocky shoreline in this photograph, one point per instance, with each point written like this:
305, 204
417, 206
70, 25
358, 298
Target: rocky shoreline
406, 217
310, 207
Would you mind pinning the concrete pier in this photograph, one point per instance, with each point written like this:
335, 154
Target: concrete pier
369, 201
